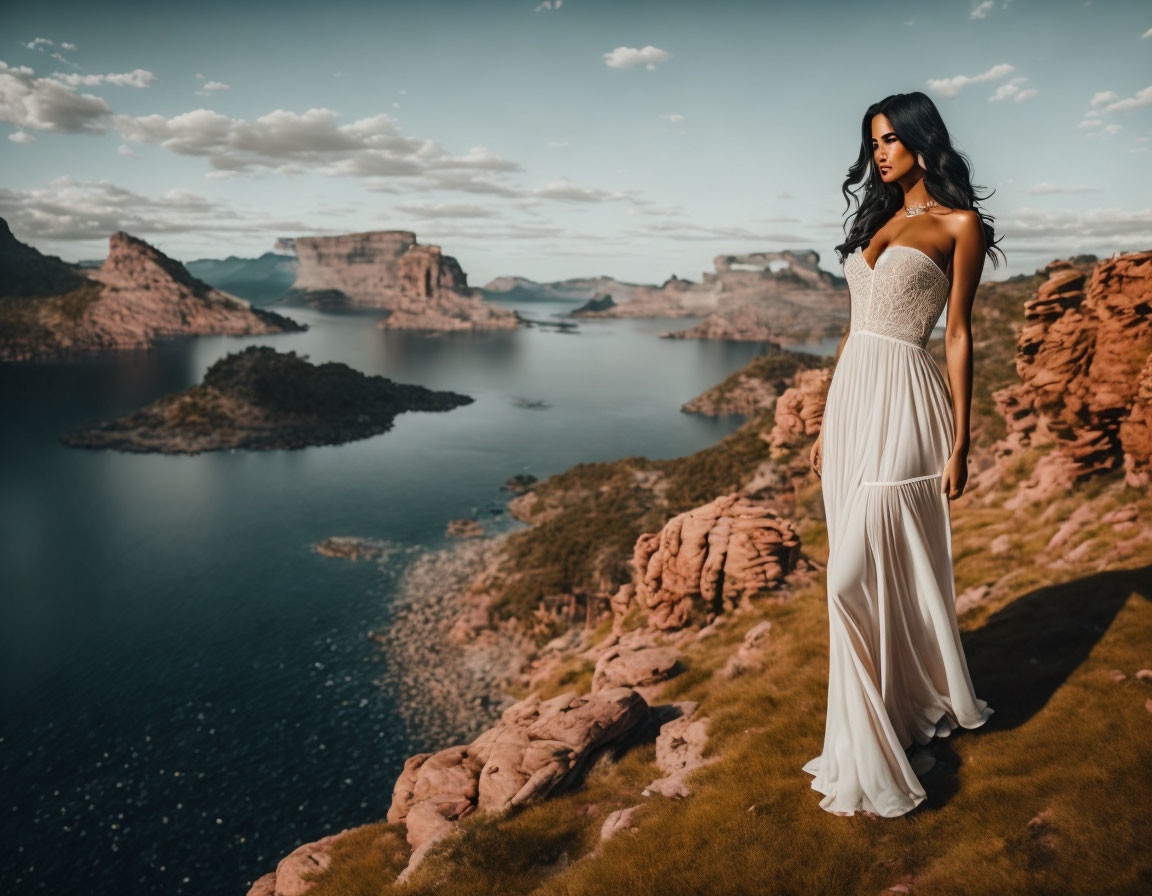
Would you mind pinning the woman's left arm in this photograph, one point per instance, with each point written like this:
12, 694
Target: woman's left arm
967, 266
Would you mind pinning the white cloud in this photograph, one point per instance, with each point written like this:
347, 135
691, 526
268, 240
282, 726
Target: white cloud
981, 10
951, 87
1113, 128
1103, 97
1147, 34
549, 4
71, 48
213, 86
674, 117
282, 142
1065, 231
1046, 188
1090, 123
563, 189
46, 104
39, 43
1013, 90
1140, 98
22, 137
313, 140
79, 210
445, 210
125, 150
629, 57
136, 78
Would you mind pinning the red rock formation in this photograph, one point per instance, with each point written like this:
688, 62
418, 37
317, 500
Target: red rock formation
538, 747
147, 295
137, 297
1085, 362
420, 287
800, 409
711, 559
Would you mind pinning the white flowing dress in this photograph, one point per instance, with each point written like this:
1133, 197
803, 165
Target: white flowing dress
897, 671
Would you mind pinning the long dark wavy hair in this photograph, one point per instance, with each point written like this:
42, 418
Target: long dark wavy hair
948, 173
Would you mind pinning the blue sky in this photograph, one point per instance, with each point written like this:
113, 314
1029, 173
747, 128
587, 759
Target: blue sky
558, 139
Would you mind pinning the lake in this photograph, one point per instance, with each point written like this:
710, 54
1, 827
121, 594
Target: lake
188, 689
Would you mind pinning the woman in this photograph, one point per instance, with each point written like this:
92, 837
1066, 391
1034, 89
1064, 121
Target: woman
892, 452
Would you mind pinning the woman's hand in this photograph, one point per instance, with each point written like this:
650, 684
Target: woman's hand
955, 474
816, 455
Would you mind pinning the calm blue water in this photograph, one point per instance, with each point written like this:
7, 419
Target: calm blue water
187, 688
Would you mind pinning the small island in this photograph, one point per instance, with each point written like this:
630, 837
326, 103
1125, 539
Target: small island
263, 399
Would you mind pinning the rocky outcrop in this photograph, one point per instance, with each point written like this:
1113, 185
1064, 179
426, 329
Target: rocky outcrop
419, 286
710, 560
756, 386
263, 399
603, 303
680, 749
784, 297
1084, 357
538, 747
296, 873
137, 297
799, 410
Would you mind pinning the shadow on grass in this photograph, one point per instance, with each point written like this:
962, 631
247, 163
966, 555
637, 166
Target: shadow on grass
1029, 648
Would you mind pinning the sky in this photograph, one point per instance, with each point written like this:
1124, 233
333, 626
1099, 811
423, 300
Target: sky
563, 138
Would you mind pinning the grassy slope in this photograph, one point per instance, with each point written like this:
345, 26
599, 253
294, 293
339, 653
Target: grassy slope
1066, 740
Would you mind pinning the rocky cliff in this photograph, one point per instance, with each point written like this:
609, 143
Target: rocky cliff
419, 286
1084, 357
784, 297
136, 297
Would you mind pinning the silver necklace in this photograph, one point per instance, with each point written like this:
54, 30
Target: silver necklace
911, 211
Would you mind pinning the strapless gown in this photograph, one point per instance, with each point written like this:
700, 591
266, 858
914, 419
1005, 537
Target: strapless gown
897, 671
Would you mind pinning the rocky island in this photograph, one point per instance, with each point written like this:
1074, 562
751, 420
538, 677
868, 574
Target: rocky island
138, 296
263, 399
417, 285
663, 629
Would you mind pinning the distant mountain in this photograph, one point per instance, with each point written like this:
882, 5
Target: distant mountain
262, 279
574, 289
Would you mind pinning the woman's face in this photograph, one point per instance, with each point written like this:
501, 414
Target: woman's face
892, 158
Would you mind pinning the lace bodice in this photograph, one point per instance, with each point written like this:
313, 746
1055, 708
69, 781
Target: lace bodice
902, 298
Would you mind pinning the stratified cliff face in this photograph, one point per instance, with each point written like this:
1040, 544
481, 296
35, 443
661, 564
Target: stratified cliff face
784, 297
1085, 362
420, 286
138, 296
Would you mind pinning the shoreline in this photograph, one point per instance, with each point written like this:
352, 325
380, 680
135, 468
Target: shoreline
448, 689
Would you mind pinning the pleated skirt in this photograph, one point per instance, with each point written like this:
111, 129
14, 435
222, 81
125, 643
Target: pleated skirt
897, 673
